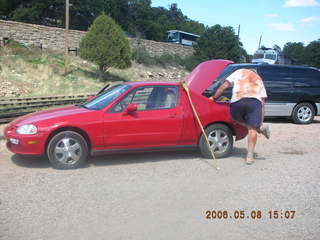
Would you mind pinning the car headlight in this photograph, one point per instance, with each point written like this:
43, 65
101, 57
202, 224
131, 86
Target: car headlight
27, 129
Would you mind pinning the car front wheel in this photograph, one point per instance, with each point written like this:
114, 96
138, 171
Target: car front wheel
67, 150
303, 113
220, 139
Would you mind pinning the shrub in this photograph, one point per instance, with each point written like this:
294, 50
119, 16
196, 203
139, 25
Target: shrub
106, 45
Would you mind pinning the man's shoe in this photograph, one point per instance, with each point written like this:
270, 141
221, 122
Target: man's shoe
249, 159
265, 131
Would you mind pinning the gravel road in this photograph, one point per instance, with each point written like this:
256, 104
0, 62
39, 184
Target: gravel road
166, 195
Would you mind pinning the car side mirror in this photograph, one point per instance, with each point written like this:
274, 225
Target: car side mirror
131, 108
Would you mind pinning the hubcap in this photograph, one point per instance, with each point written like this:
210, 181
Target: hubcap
68, 151
218, 140
304, 114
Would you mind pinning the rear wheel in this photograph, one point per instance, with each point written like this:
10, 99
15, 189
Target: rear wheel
67, 150
303, 113
220, 139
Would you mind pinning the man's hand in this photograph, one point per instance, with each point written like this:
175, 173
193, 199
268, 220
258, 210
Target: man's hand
221, 89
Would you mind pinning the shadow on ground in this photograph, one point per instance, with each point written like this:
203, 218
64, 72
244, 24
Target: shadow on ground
31, 162
122, 159
277, 120
110, 160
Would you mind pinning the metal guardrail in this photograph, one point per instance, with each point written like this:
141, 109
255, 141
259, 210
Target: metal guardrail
11, 108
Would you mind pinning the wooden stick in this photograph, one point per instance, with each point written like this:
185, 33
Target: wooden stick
186, 88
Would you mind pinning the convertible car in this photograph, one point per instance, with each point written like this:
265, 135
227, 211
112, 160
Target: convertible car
135, 116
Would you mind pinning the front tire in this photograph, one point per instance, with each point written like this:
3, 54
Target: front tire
67, 150
220, 139
303, 113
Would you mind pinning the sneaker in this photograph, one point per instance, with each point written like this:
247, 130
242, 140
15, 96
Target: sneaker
265, 131
250, 158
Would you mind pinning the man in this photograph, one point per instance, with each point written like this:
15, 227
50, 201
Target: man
247, 104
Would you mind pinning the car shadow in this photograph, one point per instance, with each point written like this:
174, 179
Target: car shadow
31, 161
278, 120
239, 152
139, 158
123, 158
110, 160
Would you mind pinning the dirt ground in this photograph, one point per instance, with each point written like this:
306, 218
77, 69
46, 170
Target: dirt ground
166, 195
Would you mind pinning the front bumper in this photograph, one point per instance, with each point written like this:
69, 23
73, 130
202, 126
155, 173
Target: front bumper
24, 144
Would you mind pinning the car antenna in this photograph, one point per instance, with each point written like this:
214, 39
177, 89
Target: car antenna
186, 88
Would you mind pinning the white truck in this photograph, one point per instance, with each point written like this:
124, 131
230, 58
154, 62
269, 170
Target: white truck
270, 56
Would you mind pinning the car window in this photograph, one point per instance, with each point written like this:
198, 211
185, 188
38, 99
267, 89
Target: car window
306, 77
149, 98
107, 97
278, 76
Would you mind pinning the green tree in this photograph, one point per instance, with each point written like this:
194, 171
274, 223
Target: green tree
312, 54
219, 42
106, 45
296, 51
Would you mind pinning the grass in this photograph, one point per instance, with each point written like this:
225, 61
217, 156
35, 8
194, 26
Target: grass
39, 72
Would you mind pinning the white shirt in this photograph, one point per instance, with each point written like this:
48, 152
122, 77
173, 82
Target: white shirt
246, 84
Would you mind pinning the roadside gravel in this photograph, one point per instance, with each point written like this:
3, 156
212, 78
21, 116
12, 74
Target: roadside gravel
166, 195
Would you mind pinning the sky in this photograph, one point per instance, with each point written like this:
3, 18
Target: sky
277, 21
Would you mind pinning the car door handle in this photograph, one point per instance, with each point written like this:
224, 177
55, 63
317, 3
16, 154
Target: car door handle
173, 115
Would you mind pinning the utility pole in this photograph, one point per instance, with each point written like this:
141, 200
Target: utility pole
66, 39
260, 41
239, 32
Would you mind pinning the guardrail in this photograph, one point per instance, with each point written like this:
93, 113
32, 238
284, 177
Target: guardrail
11, 108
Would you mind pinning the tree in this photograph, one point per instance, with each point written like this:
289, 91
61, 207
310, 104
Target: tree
106, 45
312, 54
296, 51
219, 42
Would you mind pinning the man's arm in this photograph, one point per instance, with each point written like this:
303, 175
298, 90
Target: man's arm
221, 89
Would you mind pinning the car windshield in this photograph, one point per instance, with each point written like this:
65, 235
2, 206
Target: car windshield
173, 37
271, 56
106, 97
258, 55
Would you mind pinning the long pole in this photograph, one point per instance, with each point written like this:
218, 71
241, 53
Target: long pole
66, 39
186, 88
260, 41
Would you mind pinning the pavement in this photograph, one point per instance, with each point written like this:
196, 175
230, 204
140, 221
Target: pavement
169, 195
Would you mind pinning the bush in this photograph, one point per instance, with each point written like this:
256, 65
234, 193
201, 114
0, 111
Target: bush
106, 45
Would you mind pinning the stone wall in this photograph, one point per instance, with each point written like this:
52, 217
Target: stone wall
53, 38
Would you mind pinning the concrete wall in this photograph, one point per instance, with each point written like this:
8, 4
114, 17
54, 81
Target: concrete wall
53, 38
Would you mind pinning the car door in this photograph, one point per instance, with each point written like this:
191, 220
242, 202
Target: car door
157, 121
279, 87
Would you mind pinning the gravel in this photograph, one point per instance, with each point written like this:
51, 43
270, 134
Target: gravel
166, 195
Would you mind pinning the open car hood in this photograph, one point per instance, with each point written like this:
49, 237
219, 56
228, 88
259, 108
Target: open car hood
204, 74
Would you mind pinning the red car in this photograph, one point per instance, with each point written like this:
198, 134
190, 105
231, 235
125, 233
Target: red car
137, 116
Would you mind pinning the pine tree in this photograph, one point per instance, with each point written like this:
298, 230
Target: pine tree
106, 45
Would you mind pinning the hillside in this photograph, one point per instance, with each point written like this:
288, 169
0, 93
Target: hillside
34, 72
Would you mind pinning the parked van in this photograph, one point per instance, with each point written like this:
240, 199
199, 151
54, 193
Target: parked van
293, 91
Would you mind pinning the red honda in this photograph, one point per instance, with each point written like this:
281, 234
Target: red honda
136, 116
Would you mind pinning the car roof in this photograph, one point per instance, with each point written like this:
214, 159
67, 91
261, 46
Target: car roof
252, 65
152, 83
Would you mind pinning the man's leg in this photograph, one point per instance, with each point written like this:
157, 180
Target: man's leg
252, 140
